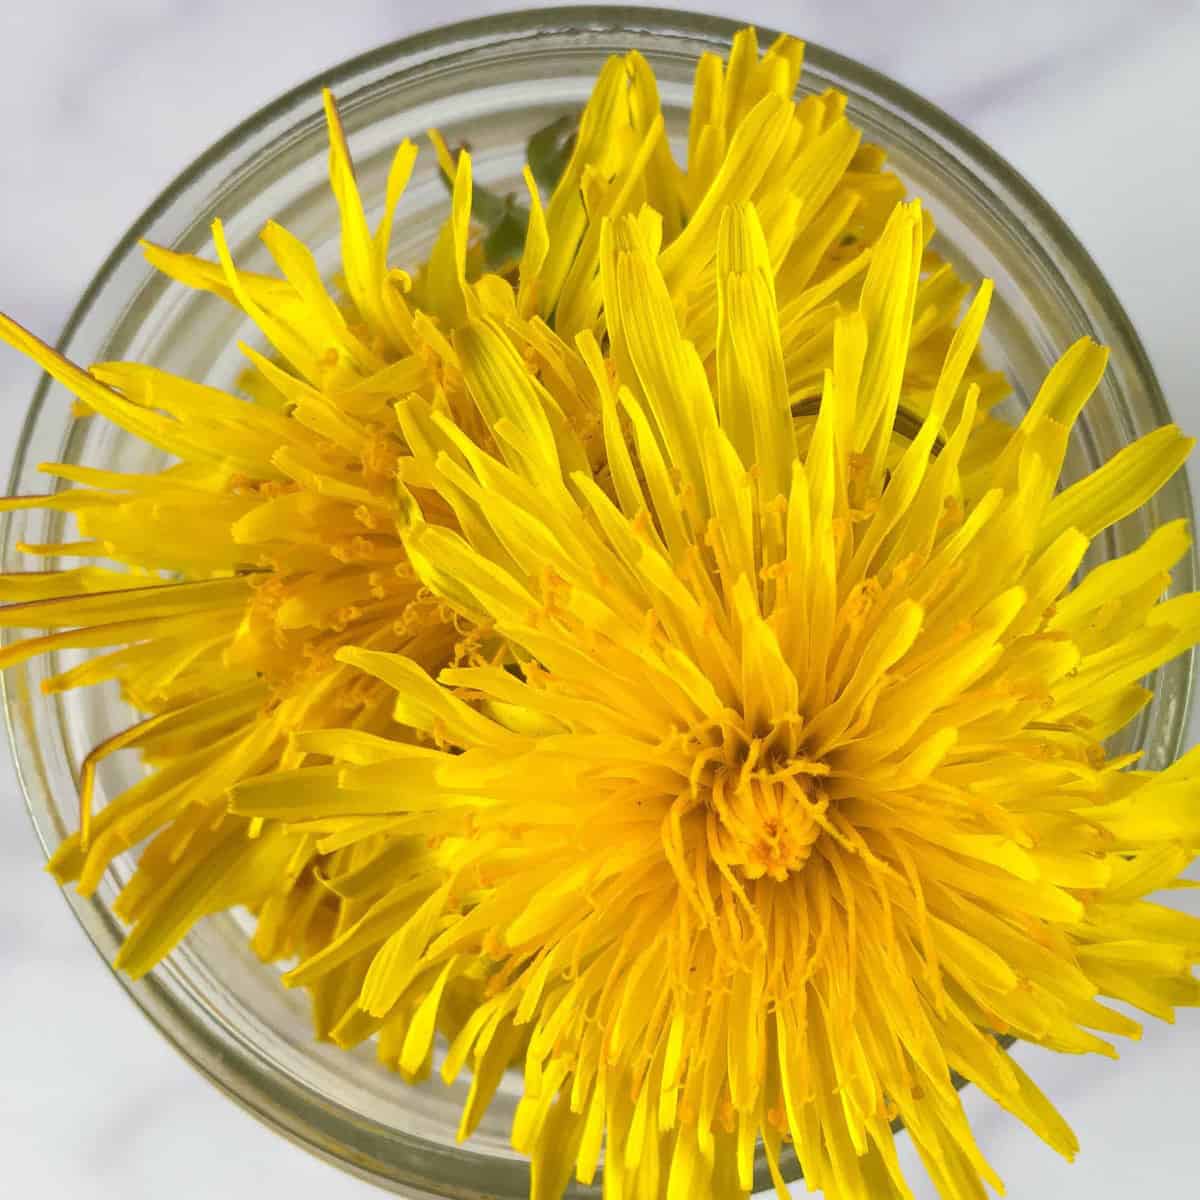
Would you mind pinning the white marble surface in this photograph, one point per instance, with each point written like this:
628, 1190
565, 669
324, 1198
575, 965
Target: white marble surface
103, 101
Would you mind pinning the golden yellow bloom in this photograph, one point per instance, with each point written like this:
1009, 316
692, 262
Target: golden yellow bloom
267, 544
797, 797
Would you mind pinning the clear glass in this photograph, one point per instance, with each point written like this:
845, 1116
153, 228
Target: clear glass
491, 82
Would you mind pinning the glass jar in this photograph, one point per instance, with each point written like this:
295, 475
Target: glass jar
492, 83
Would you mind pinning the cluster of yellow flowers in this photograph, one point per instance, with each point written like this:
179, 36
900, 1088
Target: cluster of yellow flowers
646, 665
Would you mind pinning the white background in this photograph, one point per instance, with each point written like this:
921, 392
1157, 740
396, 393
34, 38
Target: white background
102, 102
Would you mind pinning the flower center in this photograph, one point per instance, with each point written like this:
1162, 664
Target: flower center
765, 798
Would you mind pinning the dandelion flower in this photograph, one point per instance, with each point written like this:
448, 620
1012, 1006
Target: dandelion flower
266, 544
797, 797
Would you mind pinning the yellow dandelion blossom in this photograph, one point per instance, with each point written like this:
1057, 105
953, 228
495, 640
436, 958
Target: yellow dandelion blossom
797, 798
269, 542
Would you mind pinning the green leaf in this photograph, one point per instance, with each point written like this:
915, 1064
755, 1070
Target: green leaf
549, 150
505, 221
506, 238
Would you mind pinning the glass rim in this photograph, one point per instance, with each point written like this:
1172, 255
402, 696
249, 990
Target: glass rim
167, 1011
